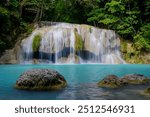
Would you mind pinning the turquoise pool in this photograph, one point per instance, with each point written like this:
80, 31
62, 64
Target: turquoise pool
81, 79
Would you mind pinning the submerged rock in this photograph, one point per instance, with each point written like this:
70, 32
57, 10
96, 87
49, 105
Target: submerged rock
112, 81
41, 79
147, 91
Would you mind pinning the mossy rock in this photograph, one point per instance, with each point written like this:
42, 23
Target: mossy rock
136, 79
78, 41
36, 43
90, 29
123, 47
131, 54
110, 81
41, 79
147, 90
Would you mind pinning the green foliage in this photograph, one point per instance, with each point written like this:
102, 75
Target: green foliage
130, 53
142, 39
124, 47
114, 6
72, 11
147, 8
36, 9
78, 41
36, 43
129, 18
4, 11
126, 18
114, 15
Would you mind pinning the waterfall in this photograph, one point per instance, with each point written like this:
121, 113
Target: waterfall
72, 43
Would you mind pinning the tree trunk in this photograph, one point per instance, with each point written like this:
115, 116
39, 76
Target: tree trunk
41, 12
37, 15
21, 5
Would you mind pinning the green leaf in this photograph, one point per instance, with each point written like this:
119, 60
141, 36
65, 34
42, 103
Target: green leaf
4, 11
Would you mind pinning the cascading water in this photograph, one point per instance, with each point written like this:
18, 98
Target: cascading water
72, 43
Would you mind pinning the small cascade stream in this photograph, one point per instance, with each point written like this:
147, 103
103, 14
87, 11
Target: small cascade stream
72, 43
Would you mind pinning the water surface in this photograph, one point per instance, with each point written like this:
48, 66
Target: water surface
81, 79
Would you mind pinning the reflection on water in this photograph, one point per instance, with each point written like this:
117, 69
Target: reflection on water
92, 92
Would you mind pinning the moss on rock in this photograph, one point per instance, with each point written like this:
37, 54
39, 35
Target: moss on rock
41, 79
110, 81
147, 91
132, 55
134, 79
78, 41
90, 29
36, 43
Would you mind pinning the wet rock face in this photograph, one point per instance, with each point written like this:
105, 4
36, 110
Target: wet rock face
112, 81
41, 79
8, 57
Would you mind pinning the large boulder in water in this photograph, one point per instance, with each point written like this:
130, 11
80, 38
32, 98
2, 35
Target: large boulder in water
136, 79
112, 81
41, 79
